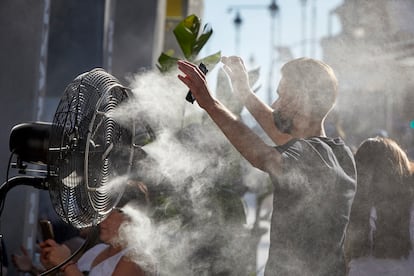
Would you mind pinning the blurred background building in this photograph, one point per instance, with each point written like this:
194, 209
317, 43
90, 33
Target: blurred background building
373, 56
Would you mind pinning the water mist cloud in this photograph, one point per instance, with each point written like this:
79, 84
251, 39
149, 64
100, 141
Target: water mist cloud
190, 161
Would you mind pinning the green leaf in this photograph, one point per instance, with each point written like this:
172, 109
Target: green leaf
191, 43
202, 40
166, 61
186, 34
210, 61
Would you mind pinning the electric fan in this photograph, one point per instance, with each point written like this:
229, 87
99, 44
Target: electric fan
85, 151
88, 149
83, 155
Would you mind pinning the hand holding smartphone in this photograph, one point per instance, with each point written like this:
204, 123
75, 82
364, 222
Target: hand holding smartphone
46, 229
190, 98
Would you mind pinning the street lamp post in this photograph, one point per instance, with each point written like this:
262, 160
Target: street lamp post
303, 2
237, 24
313, 28
273, 9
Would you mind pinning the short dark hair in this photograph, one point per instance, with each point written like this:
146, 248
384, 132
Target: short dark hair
314, 81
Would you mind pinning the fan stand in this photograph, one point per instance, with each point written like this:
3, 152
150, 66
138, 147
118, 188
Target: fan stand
1, 255
36, 182
5, 187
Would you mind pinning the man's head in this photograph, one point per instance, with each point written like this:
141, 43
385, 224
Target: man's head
307, 89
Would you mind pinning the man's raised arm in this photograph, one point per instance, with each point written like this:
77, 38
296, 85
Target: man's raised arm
263, 113
248, 143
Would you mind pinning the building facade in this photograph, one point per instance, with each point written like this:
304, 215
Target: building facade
373, 56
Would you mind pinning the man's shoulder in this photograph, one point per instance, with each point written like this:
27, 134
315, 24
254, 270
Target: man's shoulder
314, 141
325, 143
319, 147
337, 141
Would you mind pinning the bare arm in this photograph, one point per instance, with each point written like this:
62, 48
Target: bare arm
262, 112
250, 145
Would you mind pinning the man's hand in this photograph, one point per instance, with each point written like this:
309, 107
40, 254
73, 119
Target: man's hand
190, 98
235, 69
195, 79
263, 113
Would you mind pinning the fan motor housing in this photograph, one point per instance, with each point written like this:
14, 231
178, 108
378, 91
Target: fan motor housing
30, 141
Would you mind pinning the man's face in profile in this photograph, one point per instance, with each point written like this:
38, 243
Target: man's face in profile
283, 108
284, 124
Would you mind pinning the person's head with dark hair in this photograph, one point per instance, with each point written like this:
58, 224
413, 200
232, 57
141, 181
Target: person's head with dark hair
383, 183
307, 92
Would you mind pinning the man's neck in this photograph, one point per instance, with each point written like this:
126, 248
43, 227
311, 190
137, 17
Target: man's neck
307, 129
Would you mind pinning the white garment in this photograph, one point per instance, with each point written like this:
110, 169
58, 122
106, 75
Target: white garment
370, 266
106, 267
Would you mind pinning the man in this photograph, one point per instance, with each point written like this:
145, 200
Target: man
313, 175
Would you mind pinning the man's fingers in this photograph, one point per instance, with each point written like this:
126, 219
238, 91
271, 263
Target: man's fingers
229, 73
49, 242
186, 66
187, 63
184, 79
47, 250
227, 69
233, 66
190, 69
232, 60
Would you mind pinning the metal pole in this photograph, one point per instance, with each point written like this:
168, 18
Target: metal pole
313, 29
237, 24
40, 91
273, 12
109, 28
274, 9
304, 2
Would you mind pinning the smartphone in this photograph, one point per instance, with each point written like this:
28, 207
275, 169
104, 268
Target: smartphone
47, 229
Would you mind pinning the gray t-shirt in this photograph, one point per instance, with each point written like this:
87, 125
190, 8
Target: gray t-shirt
311, 207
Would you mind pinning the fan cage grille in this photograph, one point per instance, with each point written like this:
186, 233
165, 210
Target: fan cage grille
89, 149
